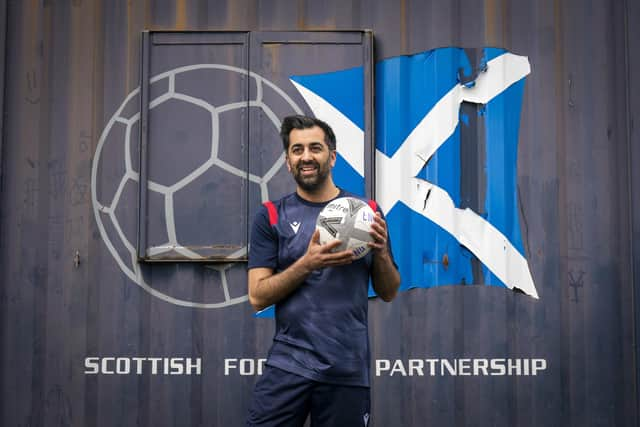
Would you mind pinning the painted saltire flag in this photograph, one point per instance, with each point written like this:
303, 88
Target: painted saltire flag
436, 239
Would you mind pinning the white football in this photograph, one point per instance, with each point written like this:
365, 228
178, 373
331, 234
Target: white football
349, 220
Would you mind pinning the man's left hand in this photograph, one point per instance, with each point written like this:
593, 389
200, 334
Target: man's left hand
379, 234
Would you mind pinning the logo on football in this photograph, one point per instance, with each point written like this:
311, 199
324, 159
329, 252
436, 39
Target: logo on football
349, 220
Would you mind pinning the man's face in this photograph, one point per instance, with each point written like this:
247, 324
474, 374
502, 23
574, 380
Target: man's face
309, 158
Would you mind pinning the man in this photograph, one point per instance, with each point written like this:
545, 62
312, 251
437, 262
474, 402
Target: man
319, 361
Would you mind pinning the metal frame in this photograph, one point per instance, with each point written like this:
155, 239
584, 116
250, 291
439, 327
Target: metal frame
359, 37
144, 141
164, 37
369, 116
253, 41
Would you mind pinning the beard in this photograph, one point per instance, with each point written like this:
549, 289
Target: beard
311, 182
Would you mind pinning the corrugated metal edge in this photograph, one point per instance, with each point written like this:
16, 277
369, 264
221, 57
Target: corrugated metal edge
369, 114
631, 214
144, 137
3, 65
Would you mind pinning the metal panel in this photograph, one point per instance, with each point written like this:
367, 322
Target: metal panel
188, 220
70, 66
281, 56
631, 90
216, 233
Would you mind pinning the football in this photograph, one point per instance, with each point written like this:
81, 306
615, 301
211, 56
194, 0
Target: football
349, 220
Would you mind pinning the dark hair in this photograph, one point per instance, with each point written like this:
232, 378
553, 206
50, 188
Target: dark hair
304, 122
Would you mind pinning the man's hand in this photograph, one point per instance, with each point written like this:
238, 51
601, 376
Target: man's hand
320, 256
379, 234
384, 275
267, 287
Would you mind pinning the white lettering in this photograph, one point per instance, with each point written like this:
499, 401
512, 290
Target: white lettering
261, 363
464, 366
138, 361
497, 367
154, 364
177, 367
444, 363
194, 364
459, 367
247, 366
123, 365
150, 365
514, 365
105, 361
480, 365
382, 365
91, 365
416, 365
432, 366
538, 365
398, 367
229, 364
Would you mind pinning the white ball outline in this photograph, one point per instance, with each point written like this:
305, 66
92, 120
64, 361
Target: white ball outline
136, 274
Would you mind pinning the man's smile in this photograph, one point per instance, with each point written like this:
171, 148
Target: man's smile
308, 169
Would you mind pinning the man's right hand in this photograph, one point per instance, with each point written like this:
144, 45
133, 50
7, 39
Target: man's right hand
267, 287
319, 256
